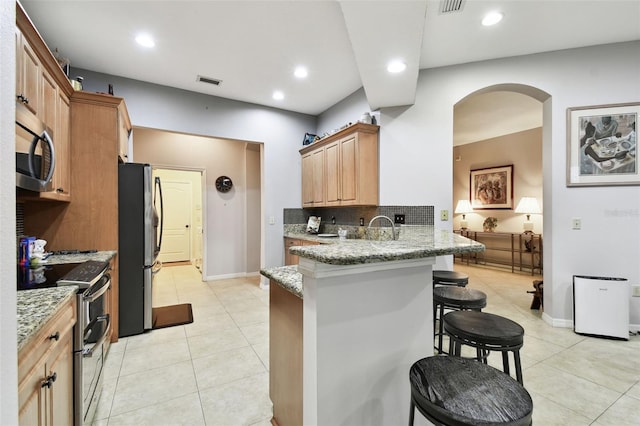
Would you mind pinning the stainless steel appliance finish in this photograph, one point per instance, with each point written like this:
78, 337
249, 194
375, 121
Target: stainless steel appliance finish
90, 335
35, 154
140, 239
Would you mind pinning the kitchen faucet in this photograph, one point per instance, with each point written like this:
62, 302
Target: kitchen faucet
393, 226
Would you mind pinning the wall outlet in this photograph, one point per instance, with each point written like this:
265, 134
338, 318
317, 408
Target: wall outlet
576, 223
398, 219
444, 215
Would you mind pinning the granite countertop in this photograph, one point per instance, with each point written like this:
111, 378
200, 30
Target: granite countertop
287, 277
414, 242
102, 256
36, 307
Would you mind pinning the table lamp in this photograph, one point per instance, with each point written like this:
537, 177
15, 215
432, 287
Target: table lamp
464, 207
528, 206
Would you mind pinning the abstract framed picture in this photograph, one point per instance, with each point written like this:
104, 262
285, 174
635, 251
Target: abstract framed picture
601, 145
492, 188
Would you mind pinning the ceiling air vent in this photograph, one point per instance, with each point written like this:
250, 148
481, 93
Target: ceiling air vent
450, 6
209, 80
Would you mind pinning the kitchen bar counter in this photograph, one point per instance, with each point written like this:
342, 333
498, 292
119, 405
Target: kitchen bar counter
36, 307
287, 277
365, 316
414, 242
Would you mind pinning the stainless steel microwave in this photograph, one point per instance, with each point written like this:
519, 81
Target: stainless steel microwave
35, 155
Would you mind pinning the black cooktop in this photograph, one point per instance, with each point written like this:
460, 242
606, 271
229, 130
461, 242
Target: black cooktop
42, 276
69, 273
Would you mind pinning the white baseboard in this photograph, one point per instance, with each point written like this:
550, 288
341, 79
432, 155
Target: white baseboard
557, 322
230, 276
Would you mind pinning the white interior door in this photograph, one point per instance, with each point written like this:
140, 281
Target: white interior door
176, 239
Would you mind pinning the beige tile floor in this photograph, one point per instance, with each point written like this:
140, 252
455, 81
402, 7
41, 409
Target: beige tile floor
215, 371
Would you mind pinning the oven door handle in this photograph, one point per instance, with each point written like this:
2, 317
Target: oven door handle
97, 290
88, 353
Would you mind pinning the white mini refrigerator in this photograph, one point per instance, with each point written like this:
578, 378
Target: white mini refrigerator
601, 306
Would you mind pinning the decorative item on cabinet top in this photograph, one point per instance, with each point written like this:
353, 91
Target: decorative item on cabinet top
309, 138
342, 131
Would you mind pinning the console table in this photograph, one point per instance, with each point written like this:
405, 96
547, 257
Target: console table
519, 251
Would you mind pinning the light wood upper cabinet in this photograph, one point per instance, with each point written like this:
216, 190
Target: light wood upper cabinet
45, 372
27, 74
313, 170
43, 87
350, 173
124, 125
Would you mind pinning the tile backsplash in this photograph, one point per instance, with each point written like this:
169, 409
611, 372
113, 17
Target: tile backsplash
350, 216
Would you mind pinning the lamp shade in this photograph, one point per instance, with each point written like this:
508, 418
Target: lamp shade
463, 206
528, 205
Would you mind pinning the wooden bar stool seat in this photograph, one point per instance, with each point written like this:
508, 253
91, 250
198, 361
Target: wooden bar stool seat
458, 391
485, 332
441, 277
453, 297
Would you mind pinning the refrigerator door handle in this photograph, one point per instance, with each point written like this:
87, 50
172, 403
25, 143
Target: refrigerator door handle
159, 193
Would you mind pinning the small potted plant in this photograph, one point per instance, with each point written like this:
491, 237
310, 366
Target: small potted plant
490, 224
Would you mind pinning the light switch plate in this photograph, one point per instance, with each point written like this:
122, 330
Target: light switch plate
444, 215
576, 223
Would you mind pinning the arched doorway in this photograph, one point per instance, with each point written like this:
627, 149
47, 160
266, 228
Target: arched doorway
501, 125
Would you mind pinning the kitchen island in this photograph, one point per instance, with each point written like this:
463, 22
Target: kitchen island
366, 317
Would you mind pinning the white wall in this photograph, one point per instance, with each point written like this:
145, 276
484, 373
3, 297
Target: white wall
8, 336
161, 107
416, 151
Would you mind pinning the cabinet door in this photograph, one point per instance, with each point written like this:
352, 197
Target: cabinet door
332, 174
318, 177
348, 170
63, 150
28, 72
59, 397
313, 179
123, 137
307, 180
290, 259
32, 398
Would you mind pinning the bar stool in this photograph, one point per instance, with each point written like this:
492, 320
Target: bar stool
453, 297
459, 391
450, 278
485, 332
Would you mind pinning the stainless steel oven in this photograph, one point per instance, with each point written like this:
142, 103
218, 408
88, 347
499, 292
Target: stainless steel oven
90, 335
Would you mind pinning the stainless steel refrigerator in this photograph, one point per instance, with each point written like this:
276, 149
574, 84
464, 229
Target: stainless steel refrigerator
140, 238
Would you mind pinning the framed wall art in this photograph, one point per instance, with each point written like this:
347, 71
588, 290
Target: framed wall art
492, 188
601, 145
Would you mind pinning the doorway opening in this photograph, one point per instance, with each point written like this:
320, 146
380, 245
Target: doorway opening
501, 126
183, 222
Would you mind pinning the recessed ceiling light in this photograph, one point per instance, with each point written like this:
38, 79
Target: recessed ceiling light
145, 40
396, 66
492, 18
301, 72
278, 95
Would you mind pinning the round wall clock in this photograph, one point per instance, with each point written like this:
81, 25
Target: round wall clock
224, 184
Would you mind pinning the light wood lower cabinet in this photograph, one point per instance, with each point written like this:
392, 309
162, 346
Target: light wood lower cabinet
292, 259
285, 356
45, 372
342, 169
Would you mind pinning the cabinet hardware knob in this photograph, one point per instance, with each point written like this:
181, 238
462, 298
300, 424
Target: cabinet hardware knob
48, 382
60, 189
55, 336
